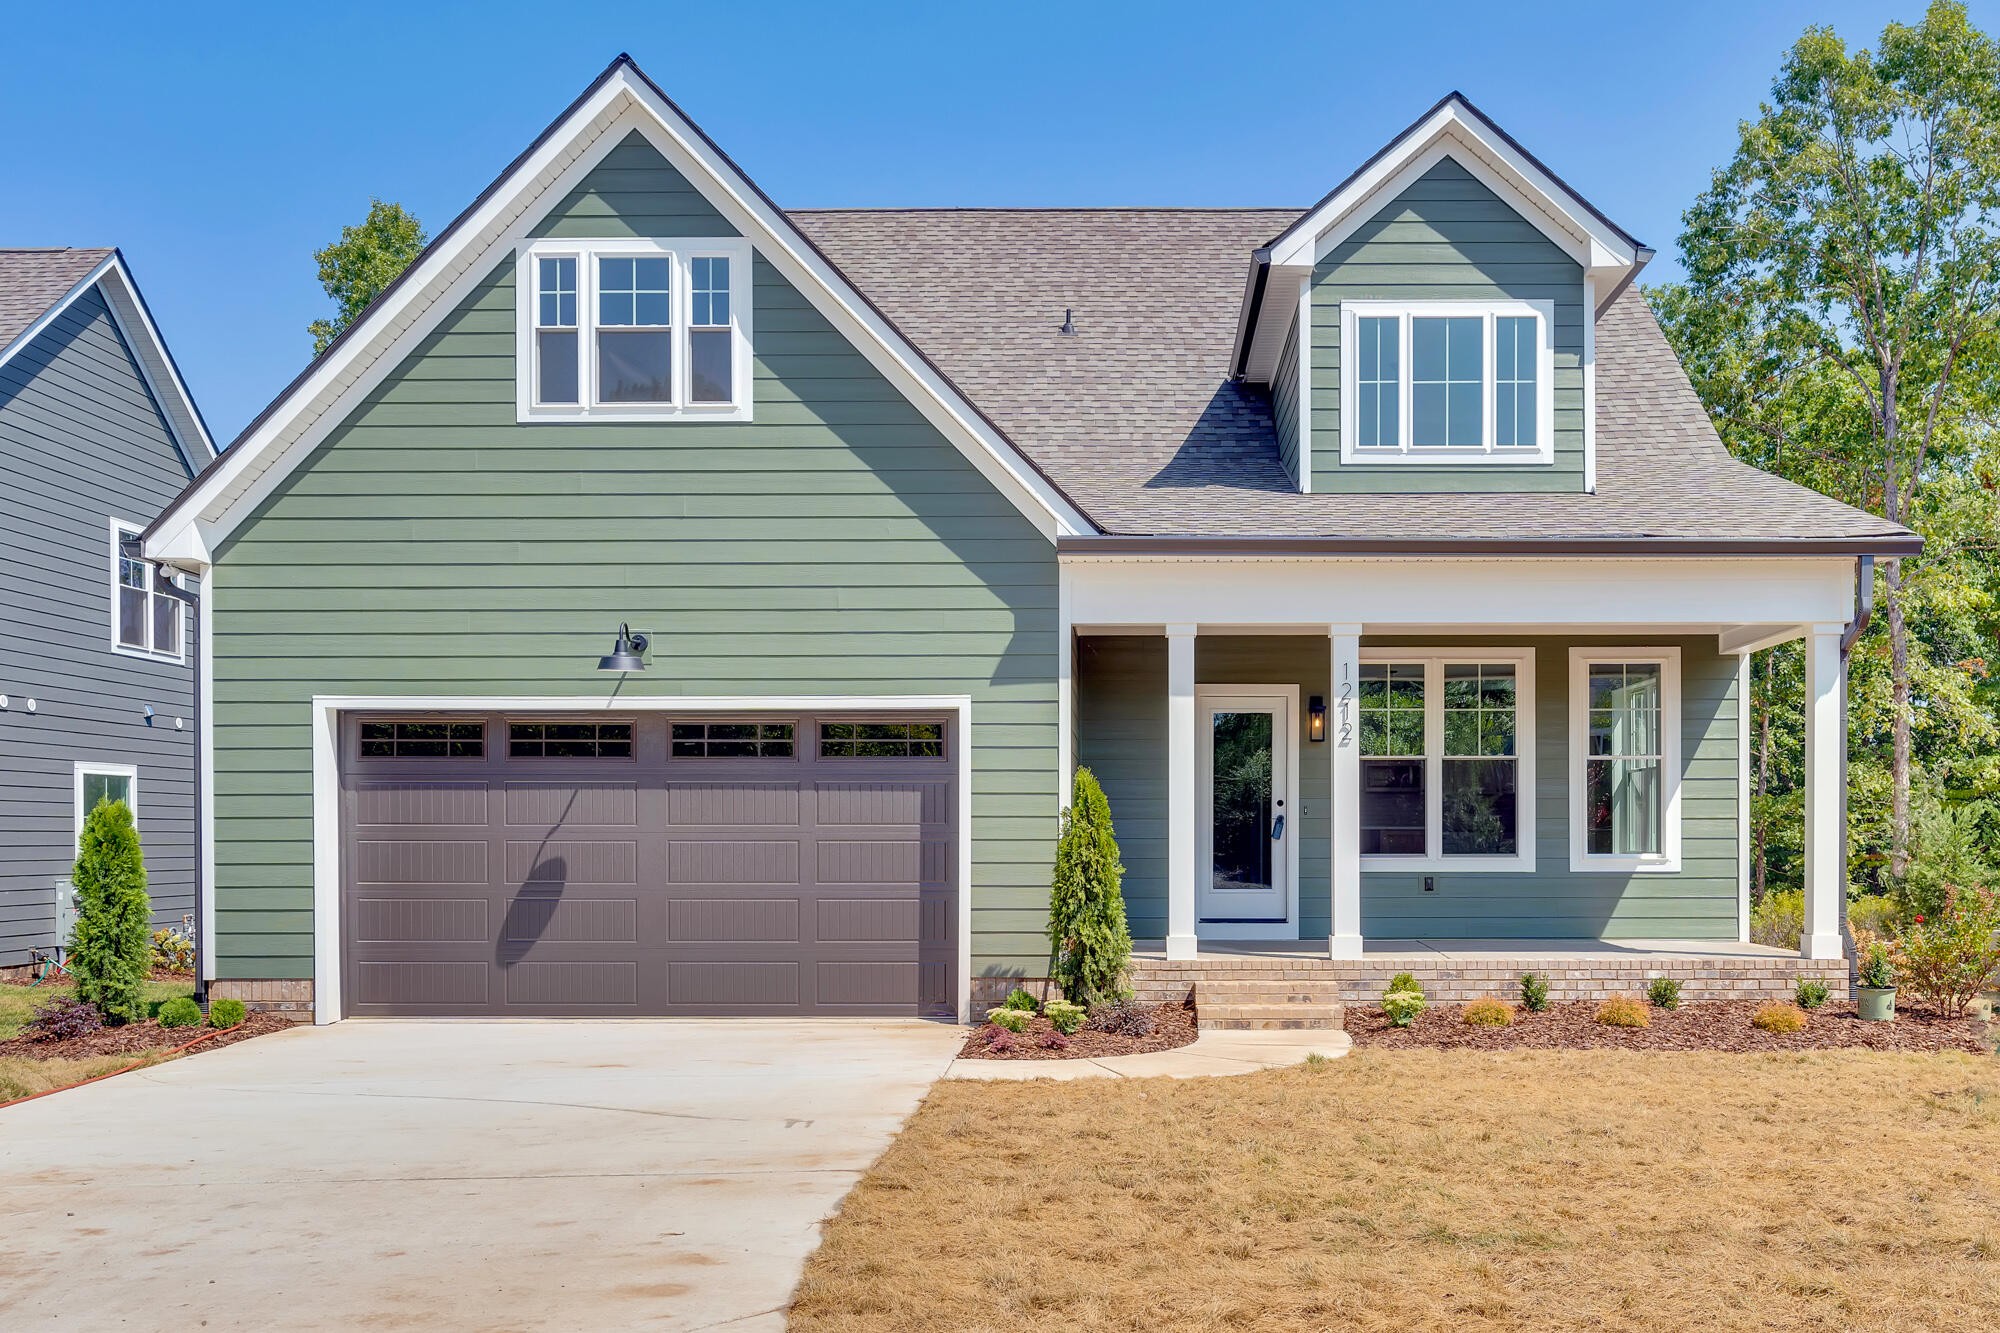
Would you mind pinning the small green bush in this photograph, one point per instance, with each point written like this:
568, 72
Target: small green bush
1090, 945
226, 1013
180, 1012
1534, 992
1663, 993
1779, 1017
1811, 994
172, 951
1067, 1018
1877, 971
1404, 981
1403, 1006
1624, 1011
1779, 918
1014, 1020
111, 946
1020, 999
1488, 1013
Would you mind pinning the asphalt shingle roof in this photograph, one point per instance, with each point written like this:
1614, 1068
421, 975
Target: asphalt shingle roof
33, 280
1136, 418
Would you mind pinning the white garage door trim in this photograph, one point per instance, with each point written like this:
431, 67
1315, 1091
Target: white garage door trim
326, 711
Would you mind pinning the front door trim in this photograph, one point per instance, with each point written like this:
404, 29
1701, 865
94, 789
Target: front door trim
1288, 697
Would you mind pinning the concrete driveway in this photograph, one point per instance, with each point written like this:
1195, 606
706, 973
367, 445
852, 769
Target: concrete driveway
490, 1175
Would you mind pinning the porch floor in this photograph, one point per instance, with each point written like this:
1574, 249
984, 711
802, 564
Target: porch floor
1470, 950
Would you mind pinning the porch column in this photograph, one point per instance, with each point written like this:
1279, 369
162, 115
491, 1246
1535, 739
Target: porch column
1345, 754
1180, 791
1826, 871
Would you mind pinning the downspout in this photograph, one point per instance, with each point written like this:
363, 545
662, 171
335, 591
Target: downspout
165, 585
1864, 611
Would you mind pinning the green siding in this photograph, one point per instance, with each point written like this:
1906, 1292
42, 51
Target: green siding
1447, 237
1121, 733
433, 545
1285, 401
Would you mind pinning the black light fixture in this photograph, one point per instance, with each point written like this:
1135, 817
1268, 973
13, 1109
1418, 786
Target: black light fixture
628, 654
1316, 718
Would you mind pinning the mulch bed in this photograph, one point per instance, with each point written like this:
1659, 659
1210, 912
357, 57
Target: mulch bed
1698, 1025
138, 1038
1173, 1025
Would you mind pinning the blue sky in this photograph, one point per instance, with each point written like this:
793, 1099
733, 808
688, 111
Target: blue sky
221, 144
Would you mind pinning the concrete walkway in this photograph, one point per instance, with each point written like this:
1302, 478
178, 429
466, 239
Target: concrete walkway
405, 1175
1212, 1053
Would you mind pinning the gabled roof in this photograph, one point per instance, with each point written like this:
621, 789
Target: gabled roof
38, 284
622, 99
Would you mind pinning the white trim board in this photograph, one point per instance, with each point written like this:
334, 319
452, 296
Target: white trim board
1290, 722
325, 722
622, 101
1668, 859
104, 769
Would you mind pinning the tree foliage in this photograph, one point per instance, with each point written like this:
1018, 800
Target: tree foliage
1090, 945
1841, 322
111, 951
366, 259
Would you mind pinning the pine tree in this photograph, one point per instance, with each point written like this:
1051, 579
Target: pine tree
1089, 944
111, 951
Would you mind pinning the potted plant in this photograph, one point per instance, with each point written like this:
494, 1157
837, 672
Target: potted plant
1875, 997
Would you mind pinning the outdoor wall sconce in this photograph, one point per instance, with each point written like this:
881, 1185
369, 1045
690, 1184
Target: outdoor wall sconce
1316, 718
628, 654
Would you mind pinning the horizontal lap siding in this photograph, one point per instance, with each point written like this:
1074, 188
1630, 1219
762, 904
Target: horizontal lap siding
81, 442
1447, 237
1121, 735
836, 545
1285, 401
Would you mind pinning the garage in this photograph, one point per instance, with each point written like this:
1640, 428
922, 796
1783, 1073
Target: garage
658, 864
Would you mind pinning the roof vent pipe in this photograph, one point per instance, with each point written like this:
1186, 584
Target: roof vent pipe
1068, 328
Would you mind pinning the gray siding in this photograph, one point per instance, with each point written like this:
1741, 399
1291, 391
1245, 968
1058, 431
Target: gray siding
836, 545
81, 442
1285, 402
1121, 734
1448, 237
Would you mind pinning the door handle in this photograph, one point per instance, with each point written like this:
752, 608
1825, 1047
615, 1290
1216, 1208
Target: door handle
1277, 828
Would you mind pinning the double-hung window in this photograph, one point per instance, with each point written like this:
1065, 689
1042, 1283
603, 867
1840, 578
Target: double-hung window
634, 330
1447, 759
1447, 381
1624, 745
96, 783
143, 618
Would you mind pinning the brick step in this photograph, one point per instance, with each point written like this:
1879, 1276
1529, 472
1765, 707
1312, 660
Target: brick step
1240, 974
1271, 1017
1275, 992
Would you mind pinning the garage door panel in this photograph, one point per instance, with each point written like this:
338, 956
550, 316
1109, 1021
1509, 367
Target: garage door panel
403, 919
568, 920
733, 861
884, 861
882, 802
714, 802
746, 984
420, 861
871, 984
558, 985
573, 861
430, 804
419, 986
870, 920
733, 920
559, 803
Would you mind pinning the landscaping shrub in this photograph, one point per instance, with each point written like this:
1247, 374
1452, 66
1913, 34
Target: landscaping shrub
1403, 1006
1121, 1018
1065, 1017
1055, 1041
1664, 993
1002, 1043
1779, 918
226, 1013
1779, 1016
62, 1019
1020, 999
1949, 956
1624, 1011
180, 1012
1014, 1020
1488, 1013
172, 951
1405, 981
1811, 993
1877, 971
111, 951
1534, 992
1089, 943
1874, 914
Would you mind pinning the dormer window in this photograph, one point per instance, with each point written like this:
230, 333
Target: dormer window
634, 330
1447, 381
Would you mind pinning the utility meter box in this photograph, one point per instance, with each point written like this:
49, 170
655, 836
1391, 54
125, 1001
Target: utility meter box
65, 913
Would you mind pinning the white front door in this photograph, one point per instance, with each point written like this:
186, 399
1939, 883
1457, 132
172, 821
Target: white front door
1246, 830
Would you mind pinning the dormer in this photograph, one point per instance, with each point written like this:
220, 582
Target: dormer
1430, 324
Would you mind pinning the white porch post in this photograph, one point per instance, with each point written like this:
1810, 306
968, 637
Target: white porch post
1825, 873
1345, 938
1180, 791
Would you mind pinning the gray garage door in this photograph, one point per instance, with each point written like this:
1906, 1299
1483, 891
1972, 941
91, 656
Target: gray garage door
655, 864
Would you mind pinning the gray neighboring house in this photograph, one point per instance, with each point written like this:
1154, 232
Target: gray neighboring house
97, 435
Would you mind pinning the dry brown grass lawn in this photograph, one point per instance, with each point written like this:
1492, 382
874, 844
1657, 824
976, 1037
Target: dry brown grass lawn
1425, 1189
25, 1078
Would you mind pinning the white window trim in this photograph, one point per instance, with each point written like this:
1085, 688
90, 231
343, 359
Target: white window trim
93, 768
1543, 450
121, 529
1668, 860
587, 251
1434, 661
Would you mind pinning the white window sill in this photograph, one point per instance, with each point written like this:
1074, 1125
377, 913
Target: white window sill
645, 413
1473, 454
1624, 865
146, 655
1446, 865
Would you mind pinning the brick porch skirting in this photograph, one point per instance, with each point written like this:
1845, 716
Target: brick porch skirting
1455, 980
290, 999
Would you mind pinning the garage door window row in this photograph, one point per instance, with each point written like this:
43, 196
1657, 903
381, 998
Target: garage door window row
707, 739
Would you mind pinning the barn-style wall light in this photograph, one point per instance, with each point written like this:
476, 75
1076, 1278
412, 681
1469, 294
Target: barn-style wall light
628, 654
1316, 718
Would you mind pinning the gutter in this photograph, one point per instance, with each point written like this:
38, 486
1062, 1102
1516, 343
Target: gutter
164, 584
1887, 545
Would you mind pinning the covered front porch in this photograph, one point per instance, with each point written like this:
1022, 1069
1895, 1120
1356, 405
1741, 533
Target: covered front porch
1489, 767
